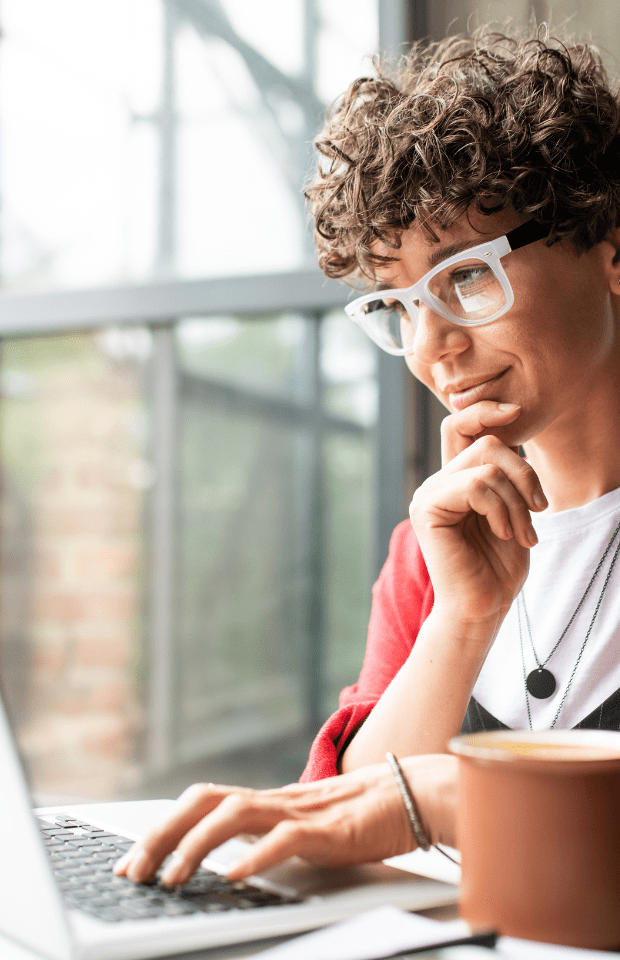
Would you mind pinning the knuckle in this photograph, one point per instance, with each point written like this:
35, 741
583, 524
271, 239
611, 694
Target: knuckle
490, 473
415, 503
529, 472
488, 444
479, 485
520, 512
290, 830
446, 426
236, 804
423, 492
416, 506
197, 792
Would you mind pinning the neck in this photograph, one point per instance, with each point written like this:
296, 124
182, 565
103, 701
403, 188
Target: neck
577, 458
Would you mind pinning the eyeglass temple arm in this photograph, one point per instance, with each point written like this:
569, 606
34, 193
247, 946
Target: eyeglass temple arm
527, 232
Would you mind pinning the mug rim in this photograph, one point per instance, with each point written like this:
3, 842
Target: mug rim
486, 746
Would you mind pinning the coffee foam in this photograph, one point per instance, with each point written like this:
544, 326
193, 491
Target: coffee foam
550, 751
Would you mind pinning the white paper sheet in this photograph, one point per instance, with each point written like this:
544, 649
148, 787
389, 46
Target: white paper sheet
430, 863
369, 936
509, 948
385, 930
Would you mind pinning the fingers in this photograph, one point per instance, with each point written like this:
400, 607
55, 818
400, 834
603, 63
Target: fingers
486, 491
287, 839
367, 823
459, 430
207, 815
349, 819
236, 814
144, 858
489, 450
298, 819
492, 495
489, 479
285, 812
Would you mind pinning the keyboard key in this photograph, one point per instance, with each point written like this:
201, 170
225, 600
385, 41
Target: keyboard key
177, 908
83, 857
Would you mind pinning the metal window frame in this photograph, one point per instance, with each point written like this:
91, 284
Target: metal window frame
159, 303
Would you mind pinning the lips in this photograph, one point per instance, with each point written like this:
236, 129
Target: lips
463, 394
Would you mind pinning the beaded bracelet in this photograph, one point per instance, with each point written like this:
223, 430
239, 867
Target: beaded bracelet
412, 812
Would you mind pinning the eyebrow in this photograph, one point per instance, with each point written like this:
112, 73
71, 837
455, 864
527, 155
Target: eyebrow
446, 252
438, 256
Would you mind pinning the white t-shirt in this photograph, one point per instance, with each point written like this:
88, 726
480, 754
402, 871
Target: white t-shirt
570, 546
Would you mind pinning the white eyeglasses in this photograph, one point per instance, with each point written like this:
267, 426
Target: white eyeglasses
469, 289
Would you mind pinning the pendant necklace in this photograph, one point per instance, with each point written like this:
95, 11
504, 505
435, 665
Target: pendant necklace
541, 683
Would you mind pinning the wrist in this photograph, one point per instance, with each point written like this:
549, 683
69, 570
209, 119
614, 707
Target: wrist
418, 829
433, 782
448, 620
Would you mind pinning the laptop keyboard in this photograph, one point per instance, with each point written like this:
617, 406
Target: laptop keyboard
83, 858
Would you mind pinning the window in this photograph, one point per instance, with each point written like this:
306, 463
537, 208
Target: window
188, 423
201, 458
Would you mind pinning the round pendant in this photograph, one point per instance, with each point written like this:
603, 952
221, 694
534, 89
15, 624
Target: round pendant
541, 683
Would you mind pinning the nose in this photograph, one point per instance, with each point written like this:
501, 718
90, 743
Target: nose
437, 338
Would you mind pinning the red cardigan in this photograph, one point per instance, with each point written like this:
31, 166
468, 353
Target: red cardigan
402, 598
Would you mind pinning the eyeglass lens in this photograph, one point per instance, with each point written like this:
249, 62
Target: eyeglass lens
469, 291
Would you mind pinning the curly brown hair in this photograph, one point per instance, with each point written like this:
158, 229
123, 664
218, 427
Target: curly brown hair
489, 122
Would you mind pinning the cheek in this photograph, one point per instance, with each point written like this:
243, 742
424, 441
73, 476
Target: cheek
423, 373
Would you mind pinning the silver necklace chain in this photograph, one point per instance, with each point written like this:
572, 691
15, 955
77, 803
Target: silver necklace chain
577, 608
587, 637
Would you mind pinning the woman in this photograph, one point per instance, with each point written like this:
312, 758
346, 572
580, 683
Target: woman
477, 198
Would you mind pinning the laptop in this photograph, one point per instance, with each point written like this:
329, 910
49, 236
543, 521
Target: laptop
60, 898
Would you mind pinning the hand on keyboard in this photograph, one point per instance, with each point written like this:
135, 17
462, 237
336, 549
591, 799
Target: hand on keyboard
357, 817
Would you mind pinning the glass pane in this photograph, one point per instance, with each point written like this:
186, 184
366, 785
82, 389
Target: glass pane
245, 483
271, 355
146, 140
242, 580
348, 368
348, 37
74, 475
79, 84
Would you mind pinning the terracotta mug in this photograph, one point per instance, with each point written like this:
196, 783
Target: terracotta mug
539, 834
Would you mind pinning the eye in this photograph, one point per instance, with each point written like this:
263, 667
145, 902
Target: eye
470, 275
374, 305
397, 306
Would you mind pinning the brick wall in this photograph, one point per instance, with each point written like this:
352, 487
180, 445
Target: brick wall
72, 645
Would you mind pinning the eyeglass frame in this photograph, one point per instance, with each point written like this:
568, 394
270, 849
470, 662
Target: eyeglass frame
489, 252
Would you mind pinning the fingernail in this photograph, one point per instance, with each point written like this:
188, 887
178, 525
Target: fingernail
140, 864
531, 535
505, 407
122, 863
177, 871
236, 871
540, 499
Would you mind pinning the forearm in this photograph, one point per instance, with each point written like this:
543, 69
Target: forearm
426, 702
